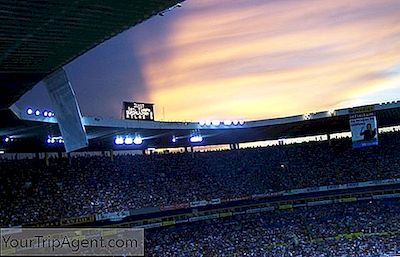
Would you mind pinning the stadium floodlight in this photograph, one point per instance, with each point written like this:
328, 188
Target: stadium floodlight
202, 123
227, 122
37, 112
119, 141
208, 122
7, 139
215, 122
173, 139
241, 122
137, 140
307, 116
54, 140
128, 140
196, 139
45, 113
29, 111
50, 114
2, 152
235, 122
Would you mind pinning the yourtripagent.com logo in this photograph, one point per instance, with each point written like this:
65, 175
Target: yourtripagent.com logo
72, 241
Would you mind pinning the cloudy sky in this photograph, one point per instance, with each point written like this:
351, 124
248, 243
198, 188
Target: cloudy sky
246, 59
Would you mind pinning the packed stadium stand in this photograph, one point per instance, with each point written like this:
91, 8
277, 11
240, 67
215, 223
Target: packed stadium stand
356, 229
33, 192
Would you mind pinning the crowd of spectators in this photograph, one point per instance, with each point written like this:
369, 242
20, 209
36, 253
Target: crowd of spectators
31, 191
347, 229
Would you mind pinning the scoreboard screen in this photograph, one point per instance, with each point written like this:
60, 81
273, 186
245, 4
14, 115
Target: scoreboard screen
138, 111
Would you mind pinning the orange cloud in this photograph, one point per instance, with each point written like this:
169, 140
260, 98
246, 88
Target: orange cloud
260, 59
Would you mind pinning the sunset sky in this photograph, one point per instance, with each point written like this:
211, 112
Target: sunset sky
246, 59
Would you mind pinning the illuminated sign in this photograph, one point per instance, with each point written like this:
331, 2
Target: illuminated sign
364, 129
138, 111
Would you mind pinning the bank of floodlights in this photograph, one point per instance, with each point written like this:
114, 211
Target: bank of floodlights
196, 137
54, 140
128, 140
218, 123
37, 112
307, 116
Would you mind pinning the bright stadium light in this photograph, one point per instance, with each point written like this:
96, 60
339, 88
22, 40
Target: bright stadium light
215, 122
202, 123
241, 122
235, 122
7, 139
54, 140
196, 139
137, 140
50, 114
37, 112
128, 141
227, 122
307, 116
45, 113
208, 122
173, 139
29, 111
119, 141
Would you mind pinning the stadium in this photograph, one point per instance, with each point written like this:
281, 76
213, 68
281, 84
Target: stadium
321, 183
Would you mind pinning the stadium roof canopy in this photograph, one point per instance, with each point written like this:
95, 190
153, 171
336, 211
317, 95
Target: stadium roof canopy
38, 37
28, 132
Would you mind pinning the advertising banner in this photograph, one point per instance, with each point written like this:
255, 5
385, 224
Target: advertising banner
364, 129
113, 216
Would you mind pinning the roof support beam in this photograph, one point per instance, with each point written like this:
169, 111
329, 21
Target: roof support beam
67, 111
